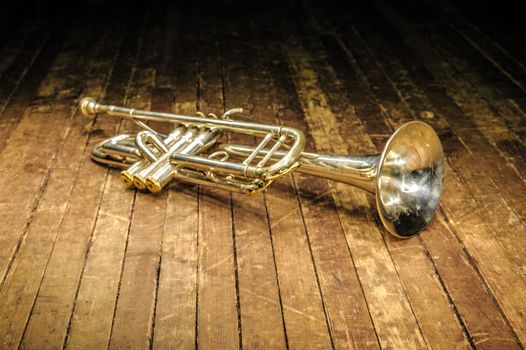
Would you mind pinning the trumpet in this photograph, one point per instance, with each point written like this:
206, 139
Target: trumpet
406, 178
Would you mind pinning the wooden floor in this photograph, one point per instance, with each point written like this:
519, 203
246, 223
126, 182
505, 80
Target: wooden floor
87, 264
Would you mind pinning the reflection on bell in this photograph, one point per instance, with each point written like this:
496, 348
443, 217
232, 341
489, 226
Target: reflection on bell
409, 180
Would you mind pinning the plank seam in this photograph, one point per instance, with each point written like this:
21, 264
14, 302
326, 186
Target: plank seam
364, 78
276, 272
234, 245
472, 262
197, 266
314, 20
66, 210
477, 47
126, 98
479, 274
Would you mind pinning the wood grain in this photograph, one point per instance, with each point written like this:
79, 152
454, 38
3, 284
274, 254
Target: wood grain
217, 309
86, 263
67, 261
384, 94
347, 312
259, 296
428, 300
175, 322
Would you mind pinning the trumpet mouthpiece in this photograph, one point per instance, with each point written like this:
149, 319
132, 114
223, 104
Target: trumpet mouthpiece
88, 106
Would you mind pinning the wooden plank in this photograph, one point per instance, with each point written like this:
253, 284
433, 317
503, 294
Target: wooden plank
132, 325
448, 146
491, 260
470, 166
259, 296
217, 309
496, 117
487, 152
374, 265
301, 300
476, 86
51, 315
98, 291
134, 312
175, 322
426, 296
20, 159
350, 127
507, 180
176, 310
22, 79
483, 319
22, 284
26, 272
13, 46
302, 305
428, 300
514, 70
377, 83
472, 313
487, 80
346, 309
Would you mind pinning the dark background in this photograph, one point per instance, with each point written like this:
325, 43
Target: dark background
504, 14
503, 21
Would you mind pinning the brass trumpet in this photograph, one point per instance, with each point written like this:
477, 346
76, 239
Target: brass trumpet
406, 177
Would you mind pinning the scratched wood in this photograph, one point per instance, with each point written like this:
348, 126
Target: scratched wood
412, 260
31, 64
258, 285
484, 188
25, 275
349, 320
68, 258
138, 282
94, 308
87, 264
363, 106
218, 323
175, 318
478, 321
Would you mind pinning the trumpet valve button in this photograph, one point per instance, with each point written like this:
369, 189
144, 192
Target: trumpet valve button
153, 185
139, 182
127, 178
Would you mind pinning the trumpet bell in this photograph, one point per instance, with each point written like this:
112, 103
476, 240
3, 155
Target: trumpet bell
409, 179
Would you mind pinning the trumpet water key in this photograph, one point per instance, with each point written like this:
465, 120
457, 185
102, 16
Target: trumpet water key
406, 178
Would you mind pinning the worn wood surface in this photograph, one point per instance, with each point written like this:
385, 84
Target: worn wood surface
88, 264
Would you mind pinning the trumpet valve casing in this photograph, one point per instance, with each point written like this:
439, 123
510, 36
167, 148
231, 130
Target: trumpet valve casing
160, 178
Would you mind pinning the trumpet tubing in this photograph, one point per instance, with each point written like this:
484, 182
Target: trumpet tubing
406, 177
